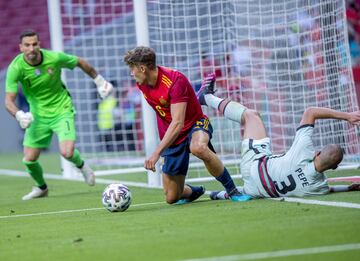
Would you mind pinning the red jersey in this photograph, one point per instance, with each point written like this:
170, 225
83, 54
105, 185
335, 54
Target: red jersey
172, 87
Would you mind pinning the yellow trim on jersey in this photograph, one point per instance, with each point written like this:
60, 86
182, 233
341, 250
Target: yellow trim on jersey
165, 80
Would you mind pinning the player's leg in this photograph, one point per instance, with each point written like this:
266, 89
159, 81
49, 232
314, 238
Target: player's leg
174, 188
37, 136
68, 151
64, 127
35, 170
176, 191
230, 109
31, 155
254, 127
199, 146
175, 167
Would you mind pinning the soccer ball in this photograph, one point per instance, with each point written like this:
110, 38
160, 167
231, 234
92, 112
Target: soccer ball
116, 198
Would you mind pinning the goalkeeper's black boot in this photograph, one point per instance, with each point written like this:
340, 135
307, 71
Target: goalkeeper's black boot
207, 87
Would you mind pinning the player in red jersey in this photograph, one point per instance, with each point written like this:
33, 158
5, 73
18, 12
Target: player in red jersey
182, 127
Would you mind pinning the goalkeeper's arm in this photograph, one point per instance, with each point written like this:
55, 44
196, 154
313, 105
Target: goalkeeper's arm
87, 68
104, 87
10, 103
24, 118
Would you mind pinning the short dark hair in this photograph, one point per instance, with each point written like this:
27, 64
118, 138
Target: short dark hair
28, 33
331, 156
141, 55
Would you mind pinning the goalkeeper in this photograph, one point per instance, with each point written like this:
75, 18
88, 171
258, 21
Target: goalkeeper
298, 172
51, 108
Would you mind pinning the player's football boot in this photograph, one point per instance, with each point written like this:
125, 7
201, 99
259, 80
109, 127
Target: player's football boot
240, 197
88, 174
207, 87
36, 193
236, 195
219, 195
196, 193
194, 196
222, 195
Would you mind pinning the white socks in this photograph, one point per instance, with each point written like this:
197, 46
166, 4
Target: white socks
231, 110
212, 101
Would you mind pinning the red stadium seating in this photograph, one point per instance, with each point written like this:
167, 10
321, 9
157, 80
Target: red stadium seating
17, 16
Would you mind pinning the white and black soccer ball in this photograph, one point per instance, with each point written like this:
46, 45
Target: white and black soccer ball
116, 197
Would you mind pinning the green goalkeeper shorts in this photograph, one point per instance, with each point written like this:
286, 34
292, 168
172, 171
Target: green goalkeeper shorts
40, 132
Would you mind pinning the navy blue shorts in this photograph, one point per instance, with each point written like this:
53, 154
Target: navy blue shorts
176, 158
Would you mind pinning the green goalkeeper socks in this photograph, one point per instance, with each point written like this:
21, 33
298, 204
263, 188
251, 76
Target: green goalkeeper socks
76, 159
36, 172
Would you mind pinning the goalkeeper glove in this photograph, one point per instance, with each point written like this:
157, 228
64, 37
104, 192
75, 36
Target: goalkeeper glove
24, 119
104, 88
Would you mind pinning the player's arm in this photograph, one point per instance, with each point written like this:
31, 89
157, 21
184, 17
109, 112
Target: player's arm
312, 114
345, 188
87, 68
10, 104
24, 118
11, 89
104, 87
178, 111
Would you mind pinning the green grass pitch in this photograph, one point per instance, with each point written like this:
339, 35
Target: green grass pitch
72, 225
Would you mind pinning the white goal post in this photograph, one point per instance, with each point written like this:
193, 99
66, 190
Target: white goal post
278, 57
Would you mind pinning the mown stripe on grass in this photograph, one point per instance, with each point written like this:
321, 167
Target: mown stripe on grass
282, 253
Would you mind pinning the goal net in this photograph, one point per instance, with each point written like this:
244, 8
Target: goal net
277, 57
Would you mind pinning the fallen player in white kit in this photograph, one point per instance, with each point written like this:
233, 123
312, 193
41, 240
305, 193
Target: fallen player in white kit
298, 172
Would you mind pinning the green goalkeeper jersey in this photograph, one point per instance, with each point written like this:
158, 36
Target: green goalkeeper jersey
42, 86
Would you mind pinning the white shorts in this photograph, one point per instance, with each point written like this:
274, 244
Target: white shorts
292, 174
251, 151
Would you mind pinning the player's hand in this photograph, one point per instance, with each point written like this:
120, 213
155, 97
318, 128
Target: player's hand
354, 187
104, 88
150, 162
24, 119
354, 117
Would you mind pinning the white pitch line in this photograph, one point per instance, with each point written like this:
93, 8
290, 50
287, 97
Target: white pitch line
319, 202
73, 211
16, 173
282, 253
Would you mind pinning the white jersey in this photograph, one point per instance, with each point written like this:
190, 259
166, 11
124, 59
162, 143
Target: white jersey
289, 175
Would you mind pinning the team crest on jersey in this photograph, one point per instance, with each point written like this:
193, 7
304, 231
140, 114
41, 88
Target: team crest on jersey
163, 102
50, 71
37, 72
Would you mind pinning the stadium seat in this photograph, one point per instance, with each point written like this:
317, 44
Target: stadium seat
14, 19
